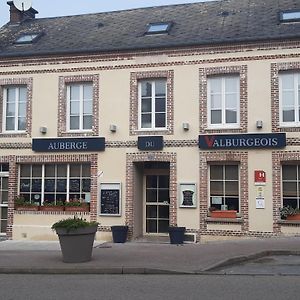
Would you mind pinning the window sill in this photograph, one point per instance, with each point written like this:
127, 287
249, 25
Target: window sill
224, 220
288, 222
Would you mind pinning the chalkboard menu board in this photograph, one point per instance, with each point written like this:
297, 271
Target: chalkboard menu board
110, 199
187, 195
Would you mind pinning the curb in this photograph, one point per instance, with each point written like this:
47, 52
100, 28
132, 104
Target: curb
245, 258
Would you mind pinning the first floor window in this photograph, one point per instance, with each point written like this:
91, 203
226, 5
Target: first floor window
291, 185
289, 86
224, 187
51, 183
152, 104
14, 110
223, 101
80, 106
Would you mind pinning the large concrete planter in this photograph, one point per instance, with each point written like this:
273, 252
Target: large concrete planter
77, 244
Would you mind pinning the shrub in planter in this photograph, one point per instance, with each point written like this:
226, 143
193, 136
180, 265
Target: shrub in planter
289, 213
52, 206
76, 237
22, 204
77, 206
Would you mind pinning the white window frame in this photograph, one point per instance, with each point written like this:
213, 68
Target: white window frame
223, 124
81, 106
16, 116
224, 181
295, 90
153, 85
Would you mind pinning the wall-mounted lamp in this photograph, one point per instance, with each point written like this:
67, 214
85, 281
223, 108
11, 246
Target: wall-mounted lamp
186, 126
113, 128
43, 130
259, 124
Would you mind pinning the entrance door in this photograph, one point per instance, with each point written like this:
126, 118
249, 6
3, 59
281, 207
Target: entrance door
3, 202
157, 203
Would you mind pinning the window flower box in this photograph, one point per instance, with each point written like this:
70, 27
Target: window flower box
295, 217
27, 208
77, 206
228, 214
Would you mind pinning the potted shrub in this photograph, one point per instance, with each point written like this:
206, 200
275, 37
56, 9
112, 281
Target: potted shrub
289, 213
76, 238
119, 233
52, 206
176, 234
22, 204
77, 206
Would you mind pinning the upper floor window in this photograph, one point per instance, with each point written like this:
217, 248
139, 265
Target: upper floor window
152, 104
80, 106
223, 101
289, 95
14, 108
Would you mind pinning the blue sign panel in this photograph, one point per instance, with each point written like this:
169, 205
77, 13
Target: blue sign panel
68, 145
148, 143
242, 141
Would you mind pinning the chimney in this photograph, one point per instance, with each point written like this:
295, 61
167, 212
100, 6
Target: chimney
17, 16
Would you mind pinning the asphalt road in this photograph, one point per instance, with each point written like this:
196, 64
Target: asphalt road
137, 287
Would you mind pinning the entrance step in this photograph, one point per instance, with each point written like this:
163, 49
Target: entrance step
153, 239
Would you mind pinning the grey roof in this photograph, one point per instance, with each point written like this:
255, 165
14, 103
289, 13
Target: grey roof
203, 23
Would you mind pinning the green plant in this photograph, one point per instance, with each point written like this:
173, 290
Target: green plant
20, 201
73, 223
75, 203
52, 203
287, 210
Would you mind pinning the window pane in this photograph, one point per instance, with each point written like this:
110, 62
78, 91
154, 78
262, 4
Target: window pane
21, 123
231, 101
49, 170
289, 189
231, 116
216, 101
163, 211
74, 107
288, 98
146, 89
288, 115
151, 195
22, 94
160, 105
151, 182
231, 173
289, 172
10, 109
87, 122
49, 185
290, 202
160, 120
160, 88
61, 185
163, 181
216, 172
10, 124
75, 170
216, 188
215, 85
146, 121
231, 188
36, 170
146, 105
163, 225
151, 226
62, 170
232, 203
231, 84
151, 211
88, 91
163, 195
22, 109
86, 170
216, 117
74, 92
287, 81
88, 107
25, 170
74, 122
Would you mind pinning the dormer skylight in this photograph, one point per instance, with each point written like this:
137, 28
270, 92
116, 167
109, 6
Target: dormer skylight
28, 38
156, 28
290, 16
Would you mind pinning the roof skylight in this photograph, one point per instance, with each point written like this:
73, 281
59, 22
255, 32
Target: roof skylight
27, 38
154, 28
290, 16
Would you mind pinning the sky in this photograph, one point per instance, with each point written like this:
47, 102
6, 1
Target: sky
55, 8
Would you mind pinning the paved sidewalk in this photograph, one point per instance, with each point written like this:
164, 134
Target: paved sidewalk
140, 258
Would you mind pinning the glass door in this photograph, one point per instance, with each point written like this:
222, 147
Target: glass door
157, 203
3, 202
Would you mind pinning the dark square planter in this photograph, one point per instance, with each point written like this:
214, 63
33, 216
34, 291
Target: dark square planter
176, 234
119, 233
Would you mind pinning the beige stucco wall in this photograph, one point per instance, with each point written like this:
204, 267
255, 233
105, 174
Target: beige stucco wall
114, 108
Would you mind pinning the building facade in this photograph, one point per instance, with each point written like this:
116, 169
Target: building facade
152, 117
